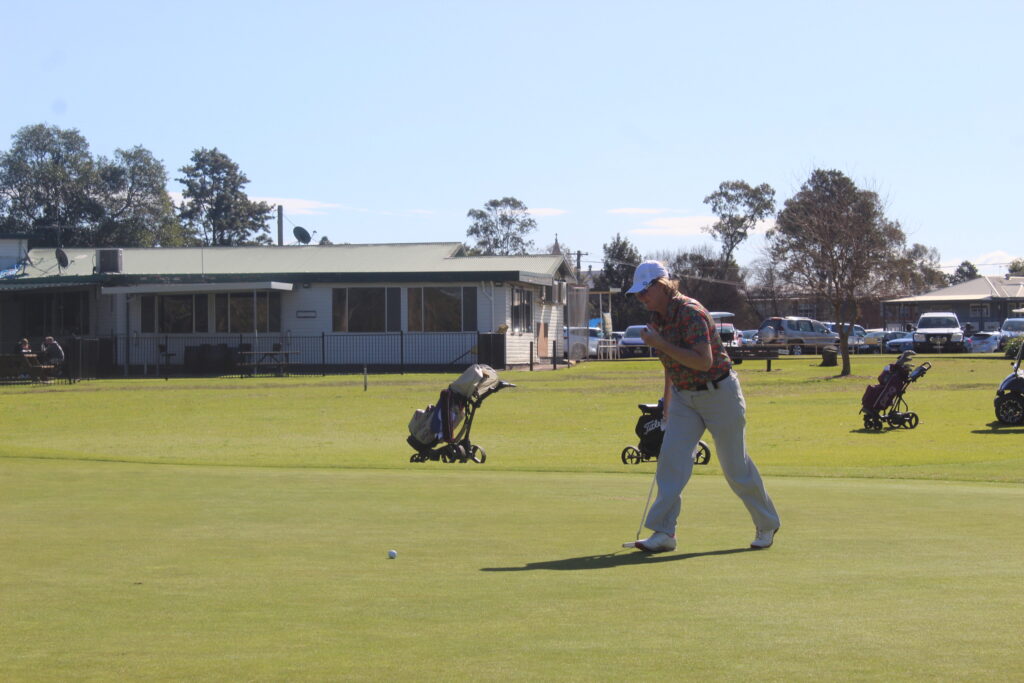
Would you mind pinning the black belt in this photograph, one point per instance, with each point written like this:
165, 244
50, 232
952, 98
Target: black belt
714, 382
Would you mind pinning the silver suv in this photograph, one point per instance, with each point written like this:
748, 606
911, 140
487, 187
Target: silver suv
796, 334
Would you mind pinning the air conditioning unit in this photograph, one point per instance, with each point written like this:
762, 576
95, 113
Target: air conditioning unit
109, 260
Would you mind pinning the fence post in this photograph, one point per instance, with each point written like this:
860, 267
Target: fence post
401, 352
554, 358
531, 356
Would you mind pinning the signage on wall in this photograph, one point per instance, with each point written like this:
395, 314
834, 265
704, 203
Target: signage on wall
305, 314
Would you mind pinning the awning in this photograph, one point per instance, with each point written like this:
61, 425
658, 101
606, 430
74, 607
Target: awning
199, 287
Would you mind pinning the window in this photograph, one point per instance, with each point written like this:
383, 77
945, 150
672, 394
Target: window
441, 309
366, 309
522, 310
174, 313
979, 310
245, 312
182, 313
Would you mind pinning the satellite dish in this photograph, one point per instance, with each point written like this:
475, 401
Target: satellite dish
62, 258
301, 234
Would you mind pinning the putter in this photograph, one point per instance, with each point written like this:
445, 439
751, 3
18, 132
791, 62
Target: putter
643, 515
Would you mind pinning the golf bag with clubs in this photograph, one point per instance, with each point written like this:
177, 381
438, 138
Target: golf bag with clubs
441, 431
648, 428
884, 403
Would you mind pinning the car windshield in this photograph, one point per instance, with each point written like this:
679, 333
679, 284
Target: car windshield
1014, 325
931, 323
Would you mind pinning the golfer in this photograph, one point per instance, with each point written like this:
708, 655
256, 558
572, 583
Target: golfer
701, 392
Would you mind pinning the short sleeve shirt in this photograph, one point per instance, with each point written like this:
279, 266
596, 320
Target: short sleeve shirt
686, 324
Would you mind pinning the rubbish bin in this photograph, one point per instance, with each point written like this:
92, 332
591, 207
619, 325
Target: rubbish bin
829, 357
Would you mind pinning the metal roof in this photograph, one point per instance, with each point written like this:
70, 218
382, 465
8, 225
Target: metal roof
986, 288
407, 262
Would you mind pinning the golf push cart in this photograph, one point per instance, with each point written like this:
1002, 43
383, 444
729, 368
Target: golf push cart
648, 428
883, 402
441, 431
1010, 395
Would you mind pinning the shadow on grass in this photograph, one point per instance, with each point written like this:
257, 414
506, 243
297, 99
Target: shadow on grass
620, 559
996, 427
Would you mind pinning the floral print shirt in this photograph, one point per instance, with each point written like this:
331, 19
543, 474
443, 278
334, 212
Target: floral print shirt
686, 324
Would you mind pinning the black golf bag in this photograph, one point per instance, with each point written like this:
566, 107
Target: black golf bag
883, 402
441, 431
648, 429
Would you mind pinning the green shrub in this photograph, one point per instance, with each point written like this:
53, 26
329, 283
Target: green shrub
1012, 345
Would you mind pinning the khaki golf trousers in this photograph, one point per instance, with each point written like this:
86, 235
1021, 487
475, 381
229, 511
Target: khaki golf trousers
723, 412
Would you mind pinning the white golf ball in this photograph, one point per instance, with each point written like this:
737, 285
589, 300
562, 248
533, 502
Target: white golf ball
392, 554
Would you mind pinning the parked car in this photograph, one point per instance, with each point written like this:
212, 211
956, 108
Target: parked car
939, 332
875, 340
1011, 327
726, 330
631, 344
796, 334
749, 336
901, 344
576, 338
984, 342
855, 339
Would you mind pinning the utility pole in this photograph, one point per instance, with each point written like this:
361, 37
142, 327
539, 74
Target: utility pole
280, 225
579, 256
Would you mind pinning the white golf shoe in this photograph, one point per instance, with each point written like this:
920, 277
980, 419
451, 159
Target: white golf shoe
763, 539
659, 542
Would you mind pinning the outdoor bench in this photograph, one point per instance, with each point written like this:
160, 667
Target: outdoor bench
17, 365
738, 354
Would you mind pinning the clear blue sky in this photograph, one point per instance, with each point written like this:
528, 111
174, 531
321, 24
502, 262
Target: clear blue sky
388, 121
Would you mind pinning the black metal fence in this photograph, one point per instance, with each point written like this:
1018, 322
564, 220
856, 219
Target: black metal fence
217, 355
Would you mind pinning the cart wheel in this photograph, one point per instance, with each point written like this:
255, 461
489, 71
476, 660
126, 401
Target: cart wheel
911, 421
415, 457
875, 422
1010, 409
459, 453
477, 455
631, 456
868, 422
701, 454
895, 419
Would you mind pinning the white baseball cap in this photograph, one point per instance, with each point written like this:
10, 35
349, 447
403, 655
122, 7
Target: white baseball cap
646, 273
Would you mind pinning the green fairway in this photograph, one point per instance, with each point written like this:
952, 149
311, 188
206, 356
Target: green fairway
238, 530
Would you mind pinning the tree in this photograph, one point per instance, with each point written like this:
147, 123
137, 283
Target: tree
501, 228
918, 271
138, 211
739, 207
1016, 267
47, 186
965, 272
833, 239
52, 189
620, 260
215, 207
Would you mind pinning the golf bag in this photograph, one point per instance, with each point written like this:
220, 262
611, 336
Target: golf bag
441, 431
883, 402
651, 434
